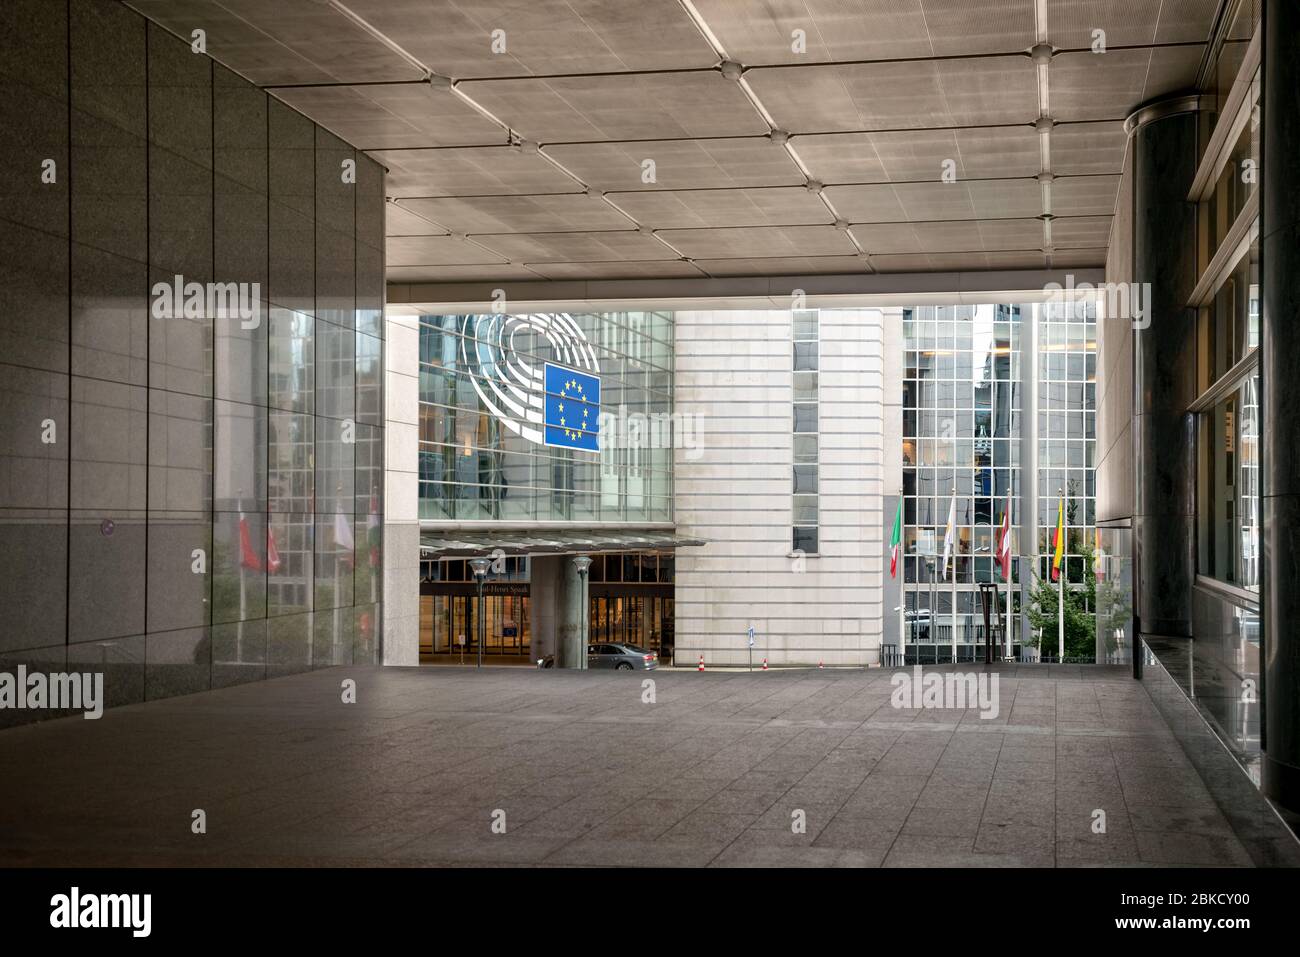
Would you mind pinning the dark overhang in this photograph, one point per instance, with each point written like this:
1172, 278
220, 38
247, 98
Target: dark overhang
461, 543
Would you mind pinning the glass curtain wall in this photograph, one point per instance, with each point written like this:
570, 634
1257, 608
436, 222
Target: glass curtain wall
963, 407
190, 365
483, 446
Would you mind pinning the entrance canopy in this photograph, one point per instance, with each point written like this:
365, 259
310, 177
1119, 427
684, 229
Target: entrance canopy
464, 544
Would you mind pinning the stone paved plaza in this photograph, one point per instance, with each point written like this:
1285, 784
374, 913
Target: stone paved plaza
587, 773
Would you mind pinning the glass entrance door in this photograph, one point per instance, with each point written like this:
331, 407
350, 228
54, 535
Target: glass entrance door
642, 620
449, 625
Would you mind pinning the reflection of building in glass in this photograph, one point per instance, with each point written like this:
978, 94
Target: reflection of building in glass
205, 464
1067, 403
964, 402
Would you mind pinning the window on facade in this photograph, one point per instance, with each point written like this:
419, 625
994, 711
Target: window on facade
1229, 530
1228, 406
804, 487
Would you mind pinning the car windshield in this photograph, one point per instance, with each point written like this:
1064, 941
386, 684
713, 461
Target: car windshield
634, 650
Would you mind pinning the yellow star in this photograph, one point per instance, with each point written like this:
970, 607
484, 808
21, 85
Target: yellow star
561, 420
561, 406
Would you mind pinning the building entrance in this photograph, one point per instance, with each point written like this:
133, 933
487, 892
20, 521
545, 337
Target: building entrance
642, 620
630, 602
449, 625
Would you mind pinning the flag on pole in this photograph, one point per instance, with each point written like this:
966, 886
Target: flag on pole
247, 557
896, 540
1004, 541
372, 530
950, 536
272, 553
343, 534
1058, 540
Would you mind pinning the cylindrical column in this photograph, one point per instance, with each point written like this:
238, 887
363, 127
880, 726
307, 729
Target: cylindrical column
1163, 145
571, 618
1279, 239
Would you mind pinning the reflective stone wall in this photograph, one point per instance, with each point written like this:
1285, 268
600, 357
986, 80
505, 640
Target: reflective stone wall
191, 378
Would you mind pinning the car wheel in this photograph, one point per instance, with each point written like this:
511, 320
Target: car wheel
623, 666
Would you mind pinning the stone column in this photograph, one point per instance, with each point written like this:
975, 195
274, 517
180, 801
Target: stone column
544, 579
1163, 144
569, 617
1279, 240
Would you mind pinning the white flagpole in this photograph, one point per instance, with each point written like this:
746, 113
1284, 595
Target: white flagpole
1010, 576
243, 600
952, 530
902, 595
1010, 596
1060, 584
1060, 613
374, 567
902, 623
337, 580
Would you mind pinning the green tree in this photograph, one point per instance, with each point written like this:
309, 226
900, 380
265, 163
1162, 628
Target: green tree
1080, 599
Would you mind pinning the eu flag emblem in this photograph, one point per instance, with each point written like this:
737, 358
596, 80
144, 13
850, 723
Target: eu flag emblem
572, 410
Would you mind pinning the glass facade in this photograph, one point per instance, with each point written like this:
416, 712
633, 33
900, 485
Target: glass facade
964, 416
486, 452
1067, 432
630, 597
190, 367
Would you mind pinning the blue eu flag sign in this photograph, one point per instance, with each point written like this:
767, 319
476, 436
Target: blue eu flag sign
572, 410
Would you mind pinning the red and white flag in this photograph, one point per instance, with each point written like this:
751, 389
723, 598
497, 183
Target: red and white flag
272, 553
247, 557
1004, 541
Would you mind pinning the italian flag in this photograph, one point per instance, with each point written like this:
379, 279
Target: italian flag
896, 540
1058, 540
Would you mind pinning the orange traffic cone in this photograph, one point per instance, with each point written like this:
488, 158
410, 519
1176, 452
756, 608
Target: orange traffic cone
701, 668
819, 663
764, 664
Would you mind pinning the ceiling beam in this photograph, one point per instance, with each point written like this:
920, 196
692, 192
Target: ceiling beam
747, 292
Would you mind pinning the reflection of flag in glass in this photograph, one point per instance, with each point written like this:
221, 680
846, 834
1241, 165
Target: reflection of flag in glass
1058, 540
343, 536
950, 538
896, 539
1098, 558
372, 530
1004, 541
272, 553
247, 557
571, 412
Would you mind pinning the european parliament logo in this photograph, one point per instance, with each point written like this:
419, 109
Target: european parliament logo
571, 414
